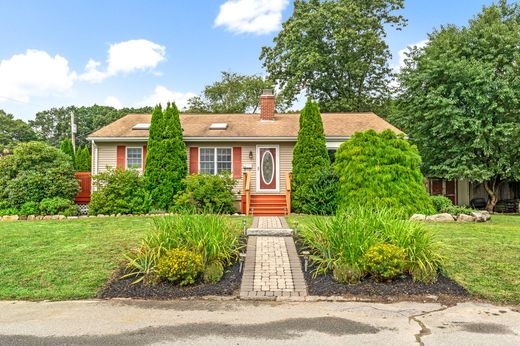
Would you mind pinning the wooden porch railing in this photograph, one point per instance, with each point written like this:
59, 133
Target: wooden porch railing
247, 190
288, 177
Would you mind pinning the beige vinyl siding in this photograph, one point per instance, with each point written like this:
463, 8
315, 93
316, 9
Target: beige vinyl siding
107, 155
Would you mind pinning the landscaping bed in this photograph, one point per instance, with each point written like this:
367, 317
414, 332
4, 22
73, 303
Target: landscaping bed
123, 288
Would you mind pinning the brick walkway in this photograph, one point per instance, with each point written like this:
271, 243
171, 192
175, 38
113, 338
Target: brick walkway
272, 268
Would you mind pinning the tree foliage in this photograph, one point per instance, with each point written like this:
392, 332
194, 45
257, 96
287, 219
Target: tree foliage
166, 158
54, 124
233, 93
67, 148
310, 152
83, 160
335, 51
381, 171
460, 99
36, 171
13, 131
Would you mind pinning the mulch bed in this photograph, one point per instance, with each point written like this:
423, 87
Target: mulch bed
123, 288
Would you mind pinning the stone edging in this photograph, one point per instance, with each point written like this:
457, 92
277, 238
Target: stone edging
63, 217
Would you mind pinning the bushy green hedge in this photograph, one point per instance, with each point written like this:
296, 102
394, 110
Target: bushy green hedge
34, 172
119, 191
443, 204
207, 193
381, 170
319, 194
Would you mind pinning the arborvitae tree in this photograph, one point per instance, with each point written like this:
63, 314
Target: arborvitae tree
381, 171
166, 158
67, 148
310, 152
83, 160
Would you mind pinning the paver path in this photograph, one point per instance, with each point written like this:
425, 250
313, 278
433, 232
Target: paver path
272, 267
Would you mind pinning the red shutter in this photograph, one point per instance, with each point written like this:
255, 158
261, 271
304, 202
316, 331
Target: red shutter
194, 160
144, 156
237, 162
121, 156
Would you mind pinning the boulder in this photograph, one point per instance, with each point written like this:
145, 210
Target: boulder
47, 217
72, 217
466, 218
39, 217
22, 217
444, 217
55, 217
61, 217
418, 217
31, 218
481, 216
11, 218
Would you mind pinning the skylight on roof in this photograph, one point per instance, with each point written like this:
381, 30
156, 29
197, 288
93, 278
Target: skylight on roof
141, 127
218, 126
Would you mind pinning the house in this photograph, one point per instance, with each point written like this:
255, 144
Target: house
256, 148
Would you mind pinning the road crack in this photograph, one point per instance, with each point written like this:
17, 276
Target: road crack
424, 329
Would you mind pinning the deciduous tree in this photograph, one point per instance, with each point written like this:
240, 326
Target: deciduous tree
13, 131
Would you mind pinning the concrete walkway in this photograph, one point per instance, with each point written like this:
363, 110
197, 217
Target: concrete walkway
272, 269
198, 322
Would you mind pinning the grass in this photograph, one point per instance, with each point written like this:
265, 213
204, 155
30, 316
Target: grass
68, 259
482, 257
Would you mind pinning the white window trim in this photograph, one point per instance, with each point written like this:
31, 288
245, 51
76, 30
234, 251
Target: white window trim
258, 163
215, 160
126, 158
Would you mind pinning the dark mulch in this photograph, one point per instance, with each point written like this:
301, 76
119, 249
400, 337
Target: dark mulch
123, 288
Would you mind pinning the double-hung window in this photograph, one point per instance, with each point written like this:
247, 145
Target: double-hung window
134, 158
214, 160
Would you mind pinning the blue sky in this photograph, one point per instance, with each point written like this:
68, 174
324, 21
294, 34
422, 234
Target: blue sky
132, 53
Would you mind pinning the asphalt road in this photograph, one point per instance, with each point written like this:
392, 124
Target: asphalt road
206, 322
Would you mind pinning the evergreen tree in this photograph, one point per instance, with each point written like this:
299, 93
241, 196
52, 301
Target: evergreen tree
381, 170
310, 152
83, 160
166, 159
67, 148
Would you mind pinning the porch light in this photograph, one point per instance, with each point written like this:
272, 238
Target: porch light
250, 154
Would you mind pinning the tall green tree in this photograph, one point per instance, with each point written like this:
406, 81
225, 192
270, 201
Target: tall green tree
166, 160
335, 52
310, 152
67, 148
13, 131
233, 93
83, 160
460, 100
53, 125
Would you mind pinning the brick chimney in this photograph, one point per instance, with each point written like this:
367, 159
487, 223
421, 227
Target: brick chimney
267, 105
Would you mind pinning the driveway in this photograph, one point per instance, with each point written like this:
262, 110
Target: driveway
208, 322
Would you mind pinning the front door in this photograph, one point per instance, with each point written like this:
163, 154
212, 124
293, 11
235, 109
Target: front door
267, 168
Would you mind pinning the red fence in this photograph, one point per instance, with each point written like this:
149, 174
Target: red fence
83, 197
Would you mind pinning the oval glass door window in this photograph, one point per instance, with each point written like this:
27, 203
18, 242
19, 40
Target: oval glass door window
267, 168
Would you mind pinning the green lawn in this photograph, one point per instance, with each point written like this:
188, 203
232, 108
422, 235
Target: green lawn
482, 257
68, 259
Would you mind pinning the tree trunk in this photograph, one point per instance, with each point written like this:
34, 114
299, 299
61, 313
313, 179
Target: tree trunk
492, 196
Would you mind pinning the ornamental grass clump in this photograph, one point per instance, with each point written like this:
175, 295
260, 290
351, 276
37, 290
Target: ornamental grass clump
210, 236
344, 239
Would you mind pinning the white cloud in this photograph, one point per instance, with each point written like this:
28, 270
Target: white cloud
126, 57
403, 53
163, 95
251, 16
113, 101
34, 73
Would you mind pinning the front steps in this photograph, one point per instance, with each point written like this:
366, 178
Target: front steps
268, 205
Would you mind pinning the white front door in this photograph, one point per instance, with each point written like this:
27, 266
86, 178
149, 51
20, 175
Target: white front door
267, 168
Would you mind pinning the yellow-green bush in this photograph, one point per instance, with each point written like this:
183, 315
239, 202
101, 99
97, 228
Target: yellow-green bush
180, 266
384, 261
213, 272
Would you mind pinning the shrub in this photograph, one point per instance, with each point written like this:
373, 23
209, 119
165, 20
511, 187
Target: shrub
384, 261
207, 193
347, 236
347, 273
8, 211
180, 266
381, 171
67, 148
320, 193
57, 205
30, 208
36, 171
310, 152
211, 236
213, 272
441, 203
83, 160
459, 209
166, 159
118, 191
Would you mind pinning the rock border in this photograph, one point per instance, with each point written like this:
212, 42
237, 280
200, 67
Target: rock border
476, 216
63, 217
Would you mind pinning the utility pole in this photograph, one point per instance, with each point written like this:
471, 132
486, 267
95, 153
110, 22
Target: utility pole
73, 132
